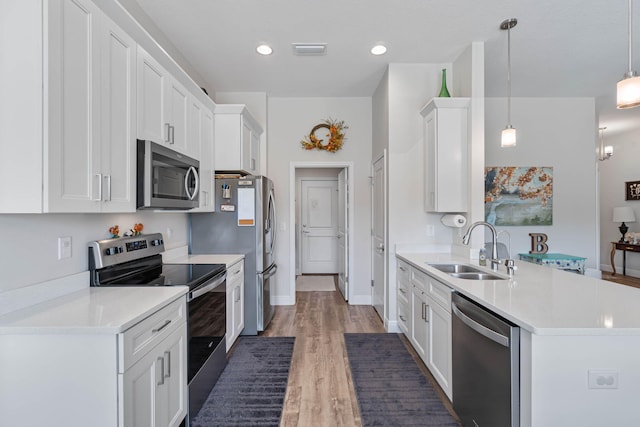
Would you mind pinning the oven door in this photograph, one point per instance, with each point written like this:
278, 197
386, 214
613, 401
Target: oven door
207, 340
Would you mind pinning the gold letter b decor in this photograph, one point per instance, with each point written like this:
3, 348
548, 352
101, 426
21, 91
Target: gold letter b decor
336, 136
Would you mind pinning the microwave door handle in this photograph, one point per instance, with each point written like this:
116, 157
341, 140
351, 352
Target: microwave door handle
192, 170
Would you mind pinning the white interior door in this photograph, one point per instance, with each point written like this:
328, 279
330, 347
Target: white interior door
319, 226
343, 235
377, 236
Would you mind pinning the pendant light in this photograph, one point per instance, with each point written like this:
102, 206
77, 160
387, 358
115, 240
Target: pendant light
629, 87
605, 152
509, 132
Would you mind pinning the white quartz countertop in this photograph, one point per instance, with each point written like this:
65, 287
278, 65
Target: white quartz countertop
545, 300
180, 255
94, 310
228, 260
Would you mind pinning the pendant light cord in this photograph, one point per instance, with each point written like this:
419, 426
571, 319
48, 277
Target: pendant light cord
630, 38
509, 74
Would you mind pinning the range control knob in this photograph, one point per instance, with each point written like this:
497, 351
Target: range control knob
110, 251
156, 242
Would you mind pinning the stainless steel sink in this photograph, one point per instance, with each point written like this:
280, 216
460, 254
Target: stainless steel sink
465, 271
456, 268
476, 276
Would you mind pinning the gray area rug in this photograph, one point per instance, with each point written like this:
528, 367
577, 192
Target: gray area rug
252, 387
391, 389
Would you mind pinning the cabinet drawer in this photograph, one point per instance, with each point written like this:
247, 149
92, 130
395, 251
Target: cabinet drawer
235, 271
419, 279
403, 316
440, 293
404, 293
403, 271
141, 338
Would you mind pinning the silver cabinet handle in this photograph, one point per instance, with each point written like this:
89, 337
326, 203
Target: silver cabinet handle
426, 313
402, 318
422, 313
99, 198
173, 134
167, 132
166, 323
402, 290
167, 359
237, 298
161, 360
402, 268
108, 196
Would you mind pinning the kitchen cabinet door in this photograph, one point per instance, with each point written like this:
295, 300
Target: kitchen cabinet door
235, 302
445, 151
118, 126
419, 318
438, 352
207, 162
237, 146
176, 116
155, 387
73, 178
152, 122
404, 297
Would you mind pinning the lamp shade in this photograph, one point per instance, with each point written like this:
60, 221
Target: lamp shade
623, 214
628, 92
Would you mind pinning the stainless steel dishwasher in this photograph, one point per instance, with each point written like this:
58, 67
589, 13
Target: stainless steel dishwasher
485, 365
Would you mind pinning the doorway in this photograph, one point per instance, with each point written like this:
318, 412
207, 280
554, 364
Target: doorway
322, 179
378, 233
318, 223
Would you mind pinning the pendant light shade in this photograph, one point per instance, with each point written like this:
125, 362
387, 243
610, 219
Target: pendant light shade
628, 89
508, 137
509, 132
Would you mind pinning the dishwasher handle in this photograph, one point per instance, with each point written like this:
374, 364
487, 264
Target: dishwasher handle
481, 329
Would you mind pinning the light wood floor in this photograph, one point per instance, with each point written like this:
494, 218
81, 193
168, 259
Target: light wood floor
320, 390
623, 280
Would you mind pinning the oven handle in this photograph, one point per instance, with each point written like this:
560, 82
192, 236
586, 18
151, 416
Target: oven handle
215, 282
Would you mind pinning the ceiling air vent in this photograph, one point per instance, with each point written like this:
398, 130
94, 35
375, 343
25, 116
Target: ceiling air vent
309, 49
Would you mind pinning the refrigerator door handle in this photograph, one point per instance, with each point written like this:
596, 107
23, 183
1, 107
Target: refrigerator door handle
273, 222
269, 273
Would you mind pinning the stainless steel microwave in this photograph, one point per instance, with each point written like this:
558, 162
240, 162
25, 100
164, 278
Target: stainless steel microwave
166, 179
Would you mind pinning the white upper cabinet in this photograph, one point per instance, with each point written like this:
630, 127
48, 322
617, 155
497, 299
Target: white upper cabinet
201, 124
165, 108
68, 109
445, 150
237, 140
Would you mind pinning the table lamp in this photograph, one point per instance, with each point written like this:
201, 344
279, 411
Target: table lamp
623, 214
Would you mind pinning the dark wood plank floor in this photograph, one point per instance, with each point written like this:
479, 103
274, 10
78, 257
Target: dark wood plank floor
320, 390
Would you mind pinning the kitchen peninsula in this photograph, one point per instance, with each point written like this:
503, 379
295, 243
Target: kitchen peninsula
573, 328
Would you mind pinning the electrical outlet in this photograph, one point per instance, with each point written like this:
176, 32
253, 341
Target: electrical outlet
603, 379
431, 230
64, 247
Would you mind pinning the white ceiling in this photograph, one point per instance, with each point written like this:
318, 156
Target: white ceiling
563, 48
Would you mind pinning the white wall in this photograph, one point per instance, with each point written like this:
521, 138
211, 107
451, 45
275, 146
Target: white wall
561, 133
290, 119
622, 167
29, 249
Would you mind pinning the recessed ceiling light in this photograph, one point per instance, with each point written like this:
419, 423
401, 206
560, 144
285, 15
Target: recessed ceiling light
378, 50
264, 49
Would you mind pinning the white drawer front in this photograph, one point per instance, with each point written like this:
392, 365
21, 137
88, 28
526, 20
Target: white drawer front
141, 338
235, 271
419, 279
440, 293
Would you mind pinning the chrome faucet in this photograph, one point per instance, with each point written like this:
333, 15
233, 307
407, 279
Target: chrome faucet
495, 261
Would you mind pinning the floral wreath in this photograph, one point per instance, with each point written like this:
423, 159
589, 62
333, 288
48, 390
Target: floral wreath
336, 136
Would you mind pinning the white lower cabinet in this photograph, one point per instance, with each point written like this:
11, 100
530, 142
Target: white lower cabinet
429, 328
136, 378
235, 302
152, 387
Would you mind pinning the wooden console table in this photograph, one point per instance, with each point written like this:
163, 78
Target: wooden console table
559, 261
624, 247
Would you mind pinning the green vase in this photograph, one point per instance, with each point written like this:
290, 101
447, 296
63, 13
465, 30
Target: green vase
444, 92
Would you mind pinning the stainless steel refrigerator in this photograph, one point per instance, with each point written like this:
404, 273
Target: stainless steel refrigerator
244, 222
